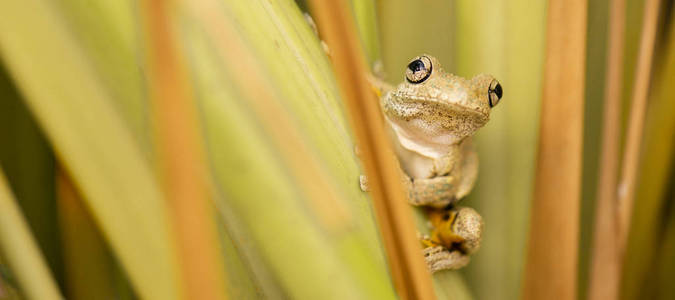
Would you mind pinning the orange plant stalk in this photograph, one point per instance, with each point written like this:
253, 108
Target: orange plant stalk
85, 257
181, 159
629, 164
551, 266
409, 272
605, 271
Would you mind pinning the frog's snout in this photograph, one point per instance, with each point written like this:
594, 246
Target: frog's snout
494, 92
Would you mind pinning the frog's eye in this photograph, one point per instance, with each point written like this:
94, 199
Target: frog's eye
418, 70
494, 92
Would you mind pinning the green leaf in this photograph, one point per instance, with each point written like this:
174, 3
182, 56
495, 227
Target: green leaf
91, 140
275, 133
18, 247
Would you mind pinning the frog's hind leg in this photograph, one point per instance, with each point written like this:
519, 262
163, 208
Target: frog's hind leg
439, 257
435, 192
459, 228
456, 234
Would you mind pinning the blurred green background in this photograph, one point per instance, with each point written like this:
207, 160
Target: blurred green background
79, 155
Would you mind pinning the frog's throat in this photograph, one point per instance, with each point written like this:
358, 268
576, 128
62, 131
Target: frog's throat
424, 140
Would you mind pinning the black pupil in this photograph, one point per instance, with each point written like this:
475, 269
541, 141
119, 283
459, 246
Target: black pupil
416, 66
498, 90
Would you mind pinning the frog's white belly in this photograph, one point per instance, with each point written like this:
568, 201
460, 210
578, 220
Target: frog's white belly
425, 137
420, 143
414, 164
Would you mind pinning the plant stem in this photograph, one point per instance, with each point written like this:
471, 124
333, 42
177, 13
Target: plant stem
410, 276
605, 274
626, 193
22, 253
551, 267
181, 159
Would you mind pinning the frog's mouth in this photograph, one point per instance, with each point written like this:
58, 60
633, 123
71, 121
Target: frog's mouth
451, 115
441, 102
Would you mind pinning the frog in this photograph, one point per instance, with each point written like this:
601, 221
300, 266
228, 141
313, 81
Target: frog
431, 117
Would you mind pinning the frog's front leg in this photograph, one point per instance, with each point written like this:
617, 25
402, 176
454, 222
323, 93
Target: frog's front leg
443, 183
437, 191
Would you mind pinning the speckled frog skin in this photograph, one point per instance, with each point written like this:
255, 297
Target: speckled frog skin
432, 115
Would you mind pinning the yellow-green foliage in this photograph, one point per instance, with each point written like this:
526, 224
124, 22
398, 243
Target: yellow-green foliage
81, 72
293, 222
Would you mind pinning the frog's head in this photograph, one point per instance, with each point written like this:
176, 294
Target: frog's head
440, 103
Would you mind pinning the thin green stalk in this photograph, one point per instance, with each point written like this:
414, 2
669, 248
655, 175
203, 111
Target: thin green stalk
180, 156
663, 267
524, 32
365, 15
28, 162
22, 253
656, 161
8, 285
604, 271
634, 131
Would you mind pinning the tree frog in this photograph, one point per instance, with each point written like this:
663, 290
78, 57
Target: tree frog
432, 116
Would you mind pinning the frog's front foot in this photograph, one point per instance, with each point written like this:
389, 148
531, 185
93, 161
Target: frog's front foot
439, 258
434, 192
363, 182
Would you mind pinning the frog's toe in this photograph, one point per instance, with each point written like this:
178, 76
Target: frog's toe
363, 182
439, 258
469, 226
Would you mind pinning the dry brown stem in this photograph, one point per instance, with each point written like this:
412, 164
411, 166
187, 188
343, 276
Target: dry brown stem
410, 275
551, 267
